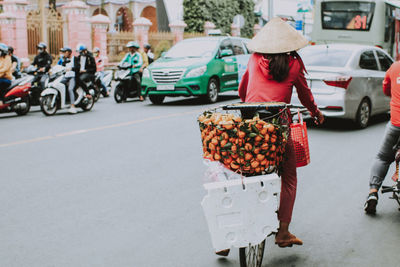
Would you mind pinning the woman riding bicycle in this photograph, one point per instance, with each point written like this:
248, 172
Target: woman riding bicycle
273, 69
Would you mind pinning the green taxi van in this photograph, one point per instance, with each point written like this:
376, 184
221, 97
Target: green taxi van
203, 67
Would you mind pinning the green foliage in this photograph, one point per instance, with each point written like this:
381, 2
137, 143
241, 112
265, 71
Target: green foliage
162, 46
220, 12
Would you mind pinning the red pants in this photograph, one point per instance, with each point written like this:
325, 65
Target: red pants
289, 184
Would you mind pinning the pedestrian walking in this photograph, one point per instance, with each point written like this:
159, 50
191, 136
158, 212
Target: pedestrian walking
386, 153
273, 69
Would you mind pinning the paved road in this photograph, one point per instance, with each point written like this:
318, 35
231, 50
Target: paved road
121, 186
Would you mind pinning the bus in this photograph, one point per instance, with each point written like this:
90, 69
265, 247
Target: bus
366, 22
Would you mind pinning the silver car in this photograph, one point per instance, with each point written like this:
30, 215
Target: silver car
346, 80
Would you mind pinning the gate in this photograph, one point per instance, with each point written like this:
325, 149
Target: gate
47, 27
34, 26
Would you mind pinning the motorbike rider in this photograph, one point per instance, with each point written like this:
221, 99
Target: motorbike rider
135, 59
84, 67
100, 62
61, 59
66, 56
386, 153
69, 77
150, 55
16, 64
5, 71
42, 62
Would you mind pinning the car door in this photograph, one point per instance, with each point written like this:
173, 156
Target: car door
369, 64
242, 57
384, 64
229, 74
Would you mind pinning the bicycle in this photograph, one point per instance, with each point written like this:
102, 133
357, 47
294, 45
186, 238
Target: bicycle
252, 255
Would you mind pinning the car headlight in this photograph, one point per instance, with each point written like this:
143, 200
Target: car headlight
146, 73
196, 72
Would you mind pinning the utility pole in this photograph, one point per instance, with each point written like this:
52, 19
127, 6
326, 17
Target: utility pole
162, 17
270, 9
43, 13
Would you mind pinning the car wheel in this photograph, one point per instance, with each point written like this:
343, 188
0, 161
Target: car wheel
212, 91
363, 114
156, 99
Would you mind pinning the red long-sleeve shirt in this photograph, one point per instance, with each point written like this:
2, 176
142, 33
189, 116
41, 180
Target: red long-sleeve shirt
257, 84
391, 87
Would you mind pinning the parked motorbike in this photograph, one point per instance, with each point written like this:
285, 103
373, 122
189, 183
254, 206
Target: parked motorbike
107, 78
18, 98
56, 96
123, 89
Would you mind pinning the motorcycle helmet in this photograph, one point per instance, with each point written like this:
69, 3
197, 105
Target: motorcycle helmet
133, 44
96, 50
81, 47
67, 49
41, 46
3, 49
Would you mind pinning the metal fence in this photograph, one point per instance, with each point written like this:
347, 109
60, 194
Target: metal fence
116, 42
159, 41
52, 33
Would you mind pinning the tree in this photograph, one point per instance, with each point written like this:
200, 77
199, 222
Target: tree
220, 12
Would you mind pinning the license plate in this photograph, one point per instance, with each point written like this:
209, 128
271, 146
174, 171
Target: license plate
162, 87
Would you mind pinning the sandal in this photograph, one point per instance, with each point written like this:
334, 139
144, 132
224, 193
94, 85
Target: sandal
293, 240
224, 252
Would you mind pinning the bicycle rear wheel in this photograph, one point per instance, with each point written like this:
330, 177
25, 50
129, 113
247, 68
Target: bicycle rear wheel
252, 256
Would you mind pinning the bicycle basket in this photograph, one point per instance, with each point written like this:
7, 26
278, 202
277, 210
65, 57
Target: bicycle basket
298, 133
246, 137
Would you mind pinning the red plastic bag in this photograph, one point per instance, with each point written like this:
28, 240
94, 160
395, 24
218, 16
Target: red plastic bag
298, 132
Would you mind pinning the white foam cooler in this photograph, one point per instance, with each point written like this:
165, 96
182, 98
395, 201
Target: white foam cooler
241, 214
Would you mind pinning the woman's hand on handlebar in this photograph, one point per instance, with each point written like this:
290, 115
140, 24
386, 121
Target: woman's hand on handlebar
319, 117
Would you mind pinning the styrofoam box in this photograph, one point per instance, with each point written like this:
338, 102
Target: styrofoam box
242, 211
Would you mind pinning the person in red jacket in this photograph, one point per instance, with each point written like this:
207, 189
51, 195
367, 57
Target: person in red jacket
386, 153
273, 69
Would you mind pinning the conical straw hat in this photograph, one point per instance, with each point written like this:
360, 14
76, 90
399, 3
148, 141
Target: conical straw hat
276, 37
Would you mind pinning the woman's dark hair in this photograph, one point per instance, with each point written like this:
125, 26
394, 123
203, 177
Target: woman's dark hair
278, 66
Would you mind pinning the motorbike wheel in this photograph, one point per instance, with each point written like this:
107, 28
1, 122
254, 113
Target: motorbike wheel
119, 94
45, 105
97, 93
89, 103
24, 111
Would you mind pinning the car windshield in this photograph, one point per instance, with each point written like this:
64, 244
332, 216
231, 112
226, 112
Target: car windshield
325, 56
351, 15
192, 48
